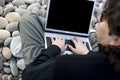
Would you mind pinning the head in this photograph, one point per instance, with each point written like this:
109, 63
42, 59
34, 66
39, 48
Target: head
108, 32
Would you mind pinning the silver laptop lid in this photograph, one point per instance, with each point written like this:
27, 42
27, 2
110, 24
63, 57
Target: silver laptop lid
68, 16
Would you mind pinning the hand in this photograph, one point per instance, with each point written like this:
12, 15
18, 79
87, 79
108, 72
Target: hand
80, 47
60, 42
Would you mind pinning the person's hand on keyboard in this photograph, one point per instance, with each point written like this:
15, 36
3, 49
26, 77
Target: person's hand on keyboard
60, 42
80, 47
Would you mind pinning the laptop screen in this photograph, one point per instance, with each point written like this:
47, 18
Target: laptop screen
70, 15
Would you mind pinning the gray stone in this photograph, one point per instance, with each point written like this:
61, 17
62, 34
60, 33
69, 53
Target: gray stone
6, 53
7, 70
21, 11
7, 41
5, 77
15, 33
18, 2
45, 2
13, 67
1, 62
15, 47
7, 1
13, 26
7, 64
31, 1
4, 34
8, 8
43, 12
30, 7
1, 10
21, 64
3, 22
2, 2
13, 17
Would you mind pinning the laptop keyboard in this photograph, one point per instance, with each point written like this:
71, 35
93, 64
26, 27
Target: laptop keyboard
67, 41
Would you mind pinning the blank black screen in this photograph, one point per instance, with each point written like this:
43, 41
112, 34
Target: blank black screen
70, 15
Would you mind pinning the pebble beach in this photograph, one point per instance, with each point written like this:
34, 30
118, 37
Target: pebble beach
11, 57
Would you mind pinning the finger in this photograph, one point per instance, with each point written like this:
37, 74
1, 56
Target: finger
52, 40
71, 48
74, 41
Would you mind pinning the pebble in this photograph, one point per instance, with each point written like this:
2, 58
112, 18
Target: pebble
4, 34
21, 11
1, 62
7, 64
3, 22
15, 47
15, 33
30, 7
31, 1
6, 53
7, 41
21, 64
43, 12
1, 10
18, 2
7, 70
5, 77
13, 17
10, 77
13, 26
13, 67
2, 3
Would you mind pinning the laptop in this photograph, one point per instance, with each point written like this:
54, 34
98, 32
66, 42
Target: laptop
69, 19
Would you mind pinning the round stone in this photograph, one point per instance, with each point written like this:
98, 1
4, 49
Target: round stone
3, 22
6, 64
21, 11
13, 67
5, 77
31, 1
2, 2
18, 2
21, 64
15, 33
1, 10
6, 70
7, 41
10, 77
6, 53
13, 17
13, 26
30, 7
4, 34
1, 62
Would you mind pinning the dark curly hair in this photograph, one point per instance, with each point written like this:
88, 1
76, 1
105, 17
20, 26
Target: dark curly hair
111, 13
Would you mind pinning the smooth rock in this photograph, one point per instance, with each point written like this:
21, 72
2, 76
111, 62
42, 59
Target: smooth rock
7, 41
7, 64
1, 10
3, 22
13, 17
45, 2
21, 11
96, 26
6, 53
10, 77
9, 8
4, 34
7, 1
1, 62
31, 1
43, 12
94, 20
23, 6
13, 26
2, 2
44, 7
15, 33
13, 67
21, 64
35, 10
15, 47
5, 77
6, 70
30, 7
18, 2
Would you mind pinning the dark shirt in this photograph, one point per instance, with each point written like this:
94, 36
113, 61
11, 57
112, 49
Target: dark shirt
50, 65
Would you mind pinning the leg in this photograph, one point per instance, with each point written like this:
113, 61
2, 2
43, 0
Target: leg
32, 36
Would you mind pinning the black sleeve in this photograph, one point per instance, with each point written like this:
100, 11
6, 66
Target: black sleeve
46, 54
